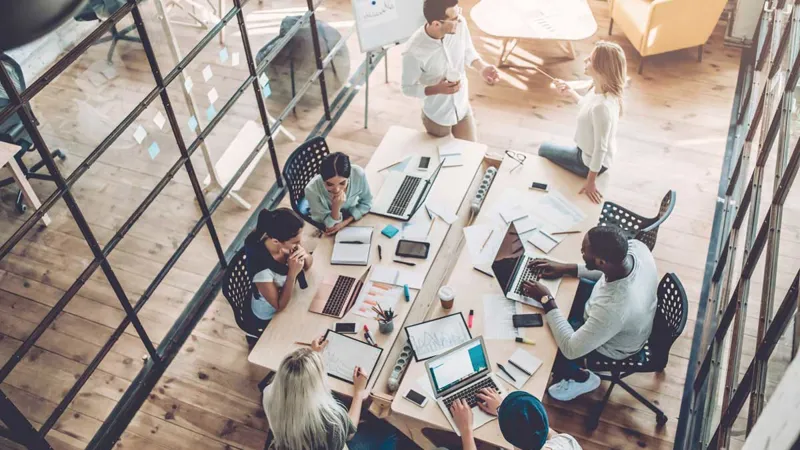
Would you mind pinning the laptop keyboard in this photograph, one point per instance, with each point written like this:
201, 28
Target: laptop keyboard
403, 196
338, 295
528, 274
470, 394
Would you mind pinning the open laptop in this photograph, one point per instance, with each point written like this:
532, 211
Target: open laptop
336, 295
402, 195
461, 373
510, 267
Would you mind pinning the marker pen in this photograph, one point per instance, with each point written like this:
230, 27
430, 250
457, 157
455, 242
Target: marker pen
523, 340
471, 315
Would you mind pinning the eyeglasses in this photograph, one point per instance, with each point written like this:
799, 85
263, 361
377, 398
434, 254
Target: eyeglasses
518, 157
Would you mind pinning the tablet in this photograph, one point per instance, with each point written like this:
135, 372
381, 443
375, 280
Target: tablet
344, 353
437, 336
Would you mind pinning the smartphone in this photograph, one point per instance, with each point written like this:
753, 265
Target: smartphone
539, 186
527, 320
412, 249
424, 162
345, 328
416, 398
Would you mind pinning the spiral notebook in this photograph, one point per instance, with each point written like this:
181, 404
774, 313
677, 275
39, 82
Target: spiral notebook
352, 246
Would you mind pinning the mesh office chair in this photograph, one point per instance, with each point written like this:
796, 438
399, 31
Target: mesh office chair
100, 10
13, 131
237, 287
301, 166
668, 324
635, 226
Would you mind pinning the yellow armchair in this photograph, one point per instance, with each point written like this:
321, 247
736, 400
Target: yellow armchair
660, 26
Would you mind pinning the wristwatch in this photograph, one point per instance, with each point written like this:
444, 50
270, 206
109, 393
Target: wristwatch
547, 299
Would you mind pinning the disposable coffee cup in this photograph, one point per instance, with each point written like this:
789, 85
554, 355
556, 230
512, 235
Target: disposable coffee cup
447, 296
452, 76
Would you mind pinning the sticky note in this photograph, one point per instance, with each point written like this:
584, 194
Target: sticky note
266, 90
188, 84
139, 134
207, 74
192, 123
223, 55
153, 150
212, 95
159, 120
210, 112
235, 59
263, 80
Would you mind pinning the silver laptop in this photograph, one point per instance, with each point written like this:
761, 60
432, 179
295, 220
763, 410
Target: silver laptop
510, 268
461, 373
402, 195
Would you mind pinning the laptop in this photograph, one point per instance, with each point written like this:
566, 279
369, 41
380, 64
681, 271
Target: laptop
461, 373
336, 295
402, 195
510, 268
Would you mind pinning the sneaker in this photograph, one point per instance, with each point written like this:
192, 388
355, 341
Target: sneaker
566, 390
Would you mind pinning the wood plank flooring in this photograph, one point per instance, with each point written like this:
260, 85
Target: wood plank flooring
671, 137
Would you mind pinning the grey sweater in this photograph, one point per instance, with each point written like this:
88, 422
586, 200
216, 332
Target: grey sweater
619, 315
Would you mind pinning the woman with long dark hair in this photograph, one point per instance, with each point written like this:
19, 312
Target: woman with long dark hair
339, 195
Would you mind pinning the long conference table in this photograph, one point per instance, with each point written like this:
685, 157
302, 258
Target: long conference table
449, 263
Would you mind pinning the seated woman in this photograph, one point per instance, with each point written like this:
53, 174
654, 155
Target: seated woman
304, 415
339, 195
274, 260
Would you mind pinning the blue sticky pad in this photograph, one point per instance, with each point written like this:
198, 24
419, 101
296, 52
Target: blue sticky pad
153, 150
223, 55
192, 123
390, 231
211, 112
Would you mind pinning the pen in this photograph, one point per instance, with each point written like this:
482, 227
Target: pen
565, 232
548, 236
350, 242
368, 337
519, 367
523, 340
430, 216
506, 372
471, 315
405, 262
406, 292
483, 272
380, 253
487, 239
307, 344
433, 221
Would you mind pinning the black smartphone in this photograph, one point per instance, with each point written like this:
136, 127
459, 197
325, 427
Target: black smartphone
416, 398
412, 249
424, 162
539, 186
345, 328
527, 320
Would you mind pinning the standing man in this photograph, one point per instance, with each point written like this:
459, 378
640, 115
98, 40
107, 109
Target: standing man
434, 69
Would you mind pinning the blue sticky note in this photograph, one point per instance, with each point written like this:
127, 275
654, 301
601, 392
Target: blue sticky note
390, 231
193, 123
153, 150
211, 112
223, 55
266, 90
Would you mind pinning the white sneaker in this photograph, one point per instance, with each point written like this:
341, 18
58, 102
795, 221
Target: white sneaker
566, 390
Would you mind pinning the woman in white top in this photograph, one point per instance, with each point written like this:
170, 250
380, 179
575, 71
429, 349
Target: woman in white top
600, 110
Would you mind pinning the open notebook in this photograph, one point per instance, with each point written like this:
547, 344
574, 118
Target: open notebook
352, 246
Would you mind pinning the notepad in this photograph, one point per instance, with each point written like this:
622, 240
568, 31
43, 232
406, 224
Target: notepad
343, 354
452, 154
397, 277
524, 360
352, 246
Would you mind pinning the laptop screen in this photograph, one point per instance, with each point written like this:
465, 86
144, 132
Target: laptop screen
507, 257
458, 365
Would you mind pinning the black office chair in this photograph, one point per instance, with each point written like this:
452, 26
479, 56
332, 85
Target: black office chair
237, 287
668, 324
100, 10
301, 166
635, 226
13, 132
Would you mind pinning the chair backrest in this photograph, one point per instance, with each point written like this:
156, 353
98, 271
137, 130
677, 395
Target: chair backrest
670, 318
628, 221
649, 233
301, 166
237, 287
15, 72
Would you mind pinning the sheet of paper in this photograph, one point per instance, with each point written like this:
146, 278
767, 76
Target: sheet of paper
452, 153
223, 55
374, 294
351, 254
159, 120
153, 150
476, 236
497, 322
213, 95
235, 59
435, 337
343, 354
210, 112
139, 134
188, 84
508, 201
512, 213
557, 213
361, 235
207, 73
523, 359
416, 230
424, 386
109, 72
397, 277
444, 212
453, 161
192, 123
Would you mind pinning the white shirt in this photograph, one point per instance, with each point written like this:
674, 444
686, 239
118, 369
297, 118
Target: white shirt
596, 134
261, 307
562, 442
426, 61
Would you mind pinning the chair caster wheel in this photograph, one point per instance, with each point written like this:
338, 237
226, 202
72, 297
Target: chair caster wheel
62, 155
22, 207
661, 419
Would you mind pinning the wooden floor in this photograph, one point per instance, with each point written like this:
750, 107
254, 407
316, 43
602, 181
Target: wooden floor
671, 137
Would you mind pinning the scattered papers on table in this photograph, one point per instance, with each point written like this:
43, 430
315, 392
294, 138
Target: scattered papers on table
522, 359
343, 354
444, 212
397, 277
416, 230
452, 154
475, 236
497, 322
374, 294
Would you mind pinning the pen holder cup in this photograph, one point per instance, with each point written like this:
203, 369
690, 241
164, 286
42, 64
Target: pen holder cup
386, 327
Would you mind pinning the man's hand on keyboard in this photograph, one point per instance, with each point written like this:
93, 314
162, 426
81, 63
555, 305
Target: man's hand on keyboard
489, 401
462, 416
549, 269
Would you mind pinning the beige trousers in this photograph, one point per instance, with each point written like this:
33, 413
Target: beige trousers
465, 129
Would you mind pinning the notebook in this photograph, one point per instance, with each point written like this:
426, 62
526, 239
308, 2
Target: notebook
352, 246
520, 359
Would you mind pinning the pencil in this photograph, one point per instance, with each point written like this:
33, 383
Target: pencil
538, 69
487, 239
307, 344
431, 227
392, 165
405, 262
565, 232
520, 368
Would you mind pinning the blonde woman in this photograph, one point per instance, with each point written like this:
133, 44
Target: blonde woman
303, 414
600, 110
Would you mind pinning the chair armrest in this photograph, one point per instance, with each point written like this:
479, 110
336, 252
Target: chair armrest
678, 24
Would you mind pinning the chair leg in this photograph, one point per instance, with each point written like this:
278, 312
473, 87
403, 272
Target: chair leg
597, 410
661, 418
641, 65
610, 26
700, 53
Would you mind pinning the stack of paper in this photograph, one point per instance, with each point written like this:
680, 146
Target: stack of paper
522, 365
352, 246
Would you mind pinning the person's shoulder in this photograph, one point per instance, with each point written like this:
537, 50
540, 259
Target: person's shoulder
415, 41
358, 171
315, 183
562, 442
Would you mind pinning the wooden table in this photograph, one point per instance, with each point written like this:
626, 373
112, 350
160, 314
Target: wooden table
471, 287
296, 323
511, 20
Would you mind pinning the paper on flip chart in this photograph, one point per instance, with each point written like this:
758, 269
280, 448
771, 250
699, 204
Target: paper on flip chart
343, 354
397, 277
497, 321
522, 359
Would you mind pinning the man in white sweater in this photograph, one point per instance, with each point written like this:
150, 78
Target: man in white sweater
434, 69
612, 315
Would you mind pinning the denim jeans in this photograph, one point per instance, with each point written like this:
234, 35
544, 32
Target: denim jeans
566, 156
563, 368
